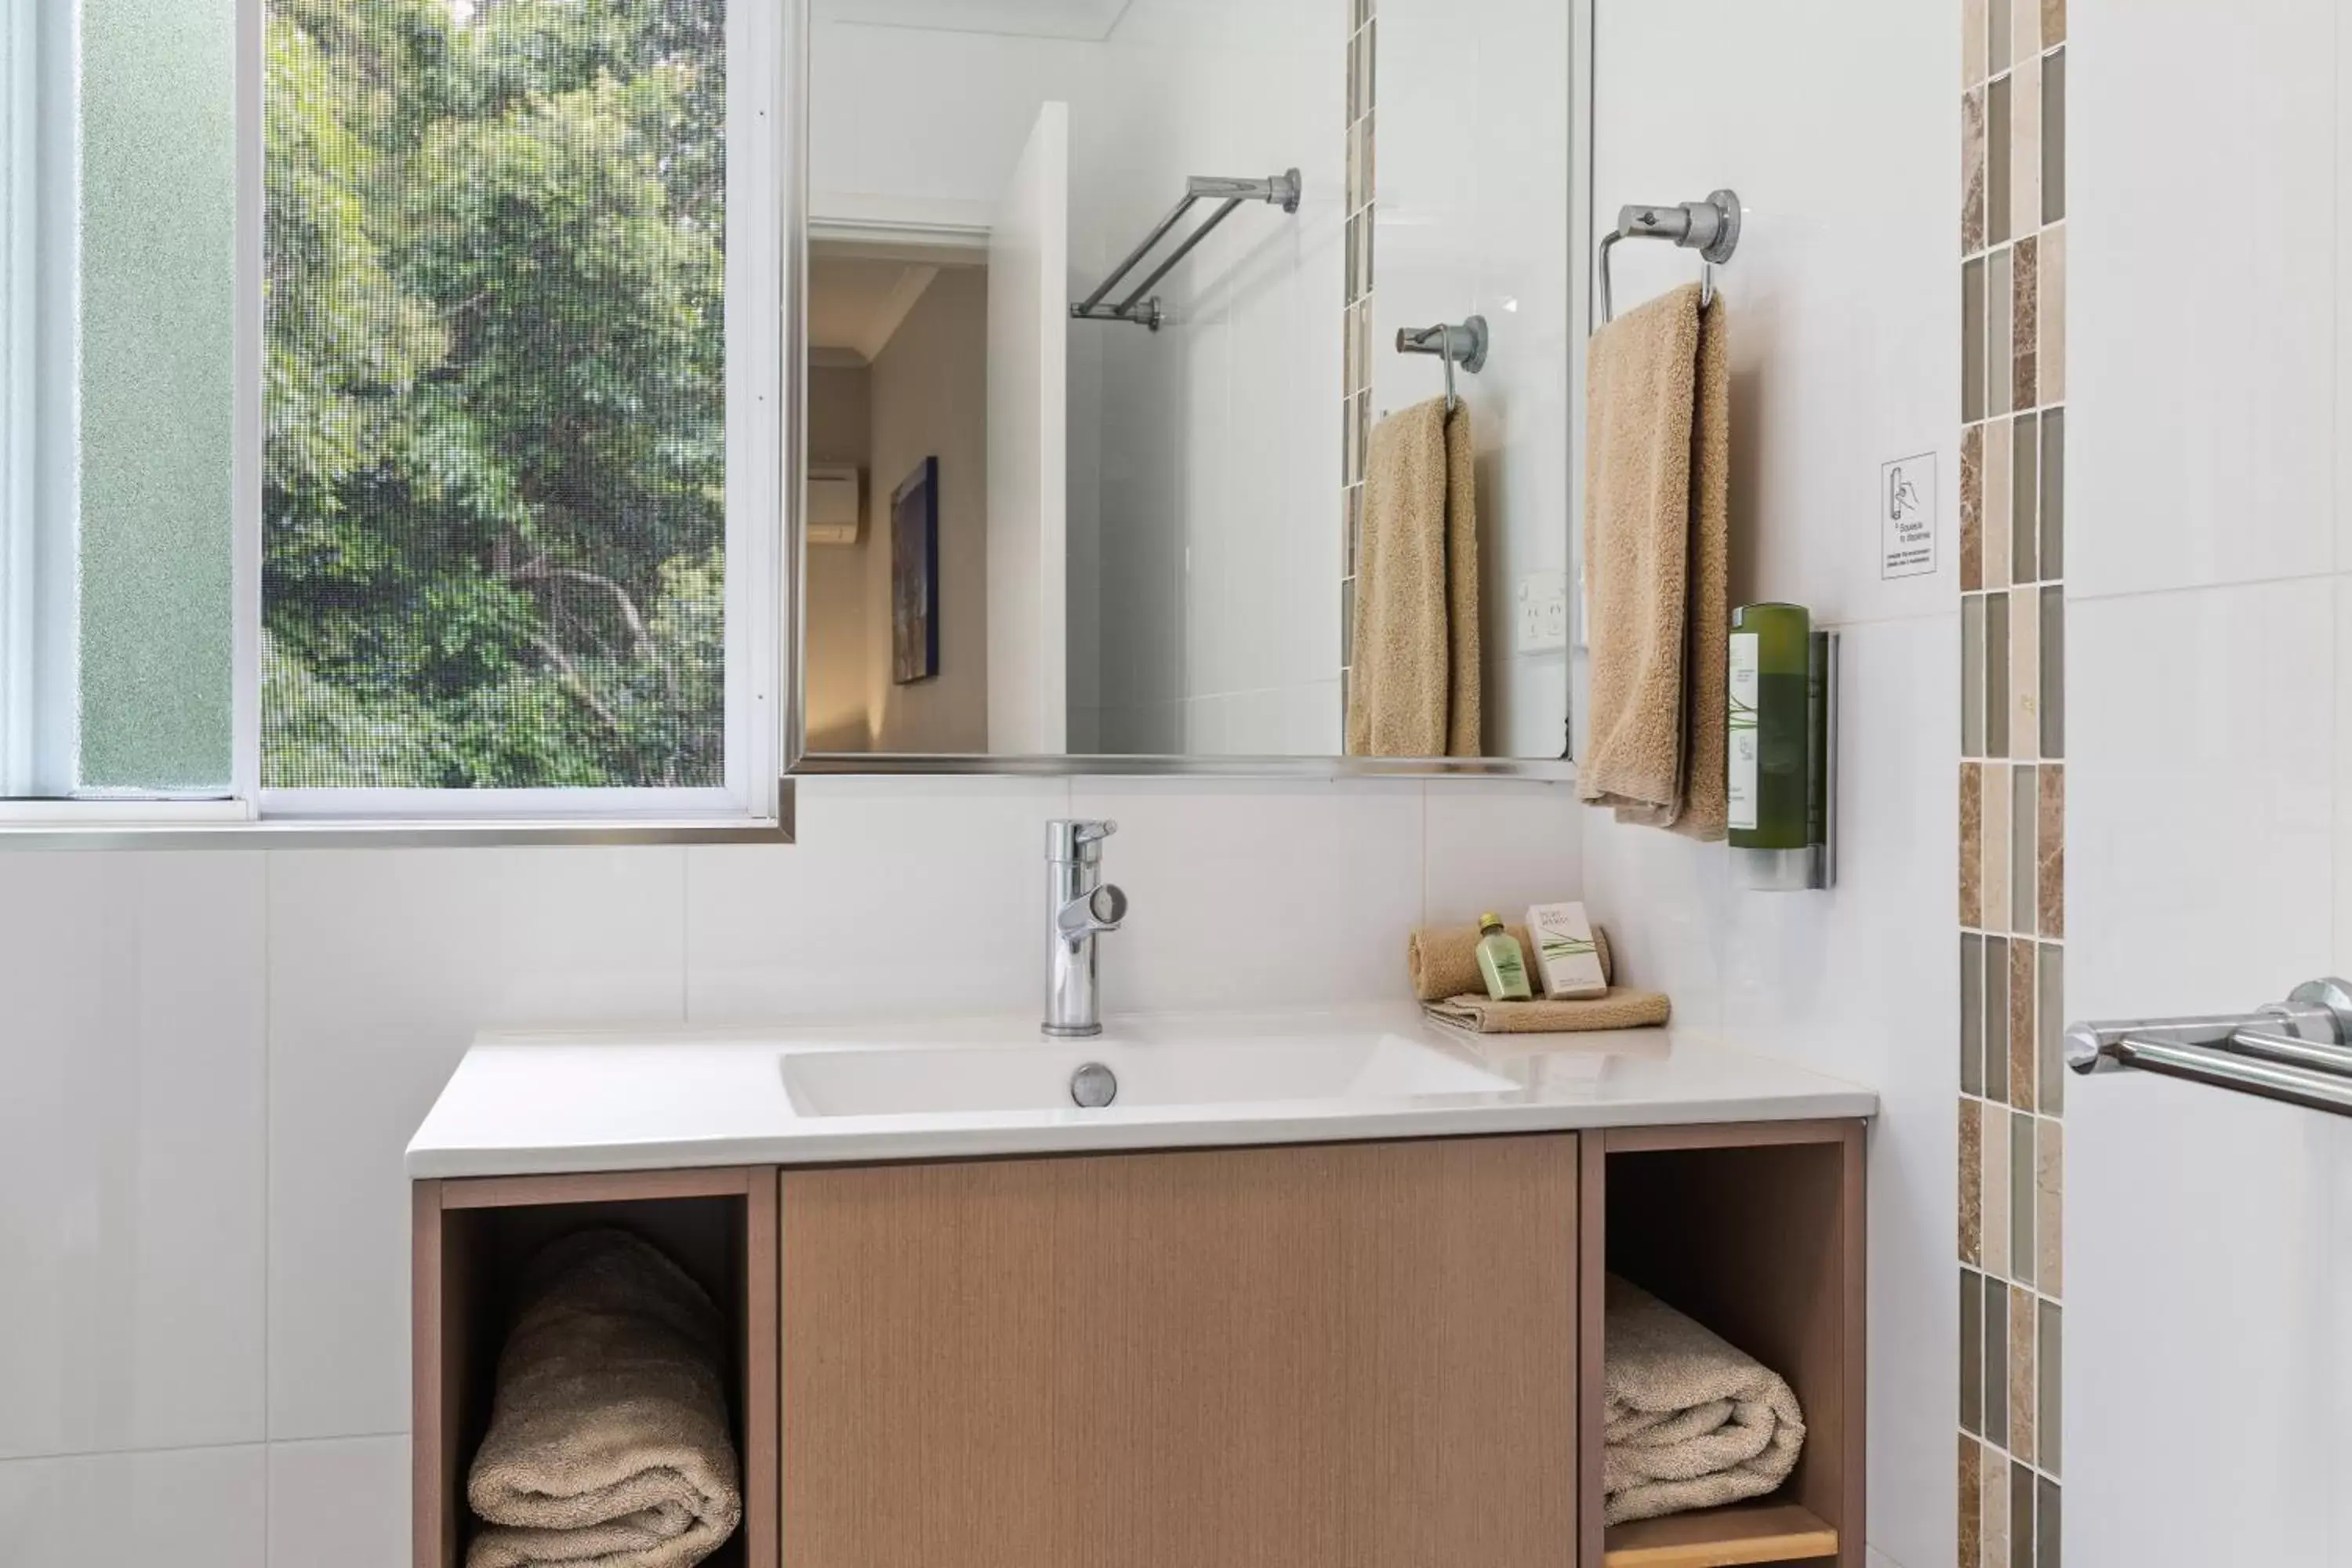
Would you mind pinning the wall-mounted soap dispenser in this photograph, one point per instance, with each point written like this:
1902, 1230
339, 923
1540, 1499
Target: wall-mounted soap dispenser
1784, 750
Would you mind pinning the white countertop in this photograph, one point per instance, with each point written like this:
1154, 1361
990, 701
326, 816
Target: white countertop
549, 1102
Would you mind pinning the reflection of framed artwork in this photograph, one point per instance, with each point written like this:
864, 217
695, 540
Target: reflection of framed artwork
915, 575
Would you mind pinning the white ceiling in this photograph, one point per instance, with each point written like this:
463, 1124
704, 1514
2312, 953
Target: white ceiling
854, 304
1090, 20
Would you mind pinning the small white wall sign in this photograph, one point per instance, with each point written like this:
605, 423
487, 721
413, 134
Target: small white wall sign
1906, 517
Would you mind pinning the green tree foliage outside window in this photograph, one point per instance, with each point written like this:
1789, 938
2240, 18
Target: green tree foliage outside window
493, 510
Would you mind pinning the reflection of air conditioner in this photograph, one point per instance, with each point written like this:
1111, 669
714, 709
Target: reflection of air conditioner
835, 515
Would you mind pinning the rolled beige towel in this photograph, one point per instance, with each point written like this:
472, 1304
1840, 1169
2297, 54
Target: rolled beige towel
1619, 1008
1443, 961
609, 1444
1689, 1421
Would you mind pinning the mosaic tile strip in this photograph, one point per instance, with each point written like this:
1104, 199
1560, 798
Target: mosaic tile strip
2011, 881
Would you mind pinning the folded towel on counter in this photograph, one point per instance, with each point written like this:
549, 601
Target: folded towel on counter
1656, 533
1619, 1008
609, 1444
1443, 961
1412, 687
1689, 1421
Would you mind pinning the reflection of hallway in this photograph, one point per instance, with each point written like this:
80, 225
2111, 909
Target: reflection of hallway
897, 373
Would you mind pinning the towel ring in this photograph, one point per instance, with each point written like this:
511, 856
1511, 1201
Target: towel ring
1711, 227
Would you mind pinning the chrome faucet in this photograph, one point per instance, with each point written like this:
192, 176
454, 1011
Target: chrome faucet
1079, 907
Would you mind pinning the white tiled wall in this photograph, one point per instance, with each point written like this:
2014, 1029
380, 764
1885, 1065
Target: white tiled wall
212, 1063
1835, 120
2209, 707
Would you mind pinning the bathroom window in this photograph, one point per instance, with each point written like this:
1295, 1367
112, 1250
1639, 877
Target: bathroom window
393, 393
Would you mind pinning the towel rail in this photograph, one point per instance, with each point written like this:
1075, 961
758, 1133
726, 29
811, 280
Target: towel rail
2298, 1051
1711, 227
1283, 190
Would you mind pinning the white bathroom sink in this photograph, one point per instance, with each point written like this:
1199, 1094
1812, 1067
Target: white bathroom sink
981, 1078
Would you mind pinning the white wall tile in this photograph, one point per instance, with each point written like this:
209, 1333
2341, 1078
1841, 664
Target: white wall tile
909, 895
191, 1507
383, 965
130, 1151
341, 1503
1502, 847
2203, 1325
1251, 893
2202, 379
2199, 798
1843, 355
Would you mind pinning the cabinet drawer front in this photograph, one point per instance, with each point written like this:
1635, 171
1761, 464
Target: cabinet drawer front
1349, 1355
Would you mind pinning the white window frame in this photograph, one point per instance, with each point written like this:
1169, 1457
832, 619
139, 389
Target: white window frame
38, 677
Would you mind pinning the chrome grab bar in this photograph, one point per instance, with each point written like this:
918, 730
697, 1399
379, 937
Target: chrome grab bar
2298, 1051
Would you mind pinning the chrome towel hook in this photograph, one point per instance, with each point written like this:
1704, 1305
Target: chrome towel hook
1463, 343
1711, 227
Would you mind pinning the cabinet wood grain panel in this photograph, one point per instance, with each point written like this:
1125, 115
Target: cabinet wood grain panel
1353, 1355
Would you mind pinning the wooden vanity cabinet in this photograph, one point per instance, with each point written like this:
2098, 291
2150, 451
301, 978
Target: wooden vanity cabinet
1347, 1355
1338, 1354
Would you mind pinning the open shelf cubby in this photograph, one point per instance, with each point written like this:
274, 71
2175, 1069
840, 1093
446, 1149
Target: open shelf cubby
471, 1239
1756, 1231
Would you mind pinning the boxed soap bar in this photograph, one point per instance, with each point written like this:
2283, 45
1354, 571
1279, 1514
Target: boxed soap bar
1566, 959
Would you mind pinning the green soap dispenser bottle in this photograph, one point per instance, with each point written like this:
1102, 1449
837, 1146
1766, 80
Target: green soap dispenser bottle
1501, 963
1778, 757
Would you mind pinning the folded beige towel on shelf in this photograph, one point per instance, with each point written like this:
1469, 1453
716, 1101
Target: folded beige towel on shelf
1657, 550
1689, 1421
1412, 681
609, 1444
1443, 961
1619, 1008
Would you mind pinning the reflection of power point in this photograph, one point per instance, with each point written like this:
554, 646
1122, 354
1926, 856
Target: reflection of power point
1543, 612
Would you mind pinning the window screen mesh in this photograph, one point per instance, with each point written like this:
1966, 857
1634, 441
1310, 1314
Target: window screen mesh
494, 518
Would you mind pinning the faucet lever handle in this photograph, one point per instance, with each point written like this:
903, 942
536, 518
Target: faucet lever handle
1074, 839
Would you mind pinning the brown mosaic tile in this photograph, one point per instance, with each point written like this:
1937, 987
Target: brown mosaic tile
1972, 1498
1996, 1356
2024, 1071
1971, 843
1973, 668
2022, 1389
2021, 1517
2052, 474
2046, 1524
1972, 1180
1972, 173
2050, 869
2025, 706
2054, 137
1997, 691
2025, 339
1973, 509
2054, 22
2049, 1205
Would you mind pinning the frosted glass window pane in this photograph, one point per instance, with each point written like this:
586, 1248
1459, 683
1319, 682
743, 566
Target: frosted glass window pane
158, 298
495, 472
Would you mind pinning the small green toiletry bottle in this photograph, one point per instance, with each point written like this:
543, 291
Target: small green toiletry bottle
1502, 964
1770, 745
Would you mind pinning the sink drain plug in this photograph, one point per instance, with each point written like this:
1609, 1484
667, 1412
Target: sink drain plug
1093, 1086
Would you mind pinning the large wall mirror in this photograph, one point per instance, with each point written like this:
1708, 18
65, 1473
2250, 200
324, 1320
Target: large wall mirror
1128, 330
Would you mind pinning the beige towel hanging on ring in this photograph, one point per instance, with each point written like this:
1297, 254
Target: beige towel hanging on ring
1412, 683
